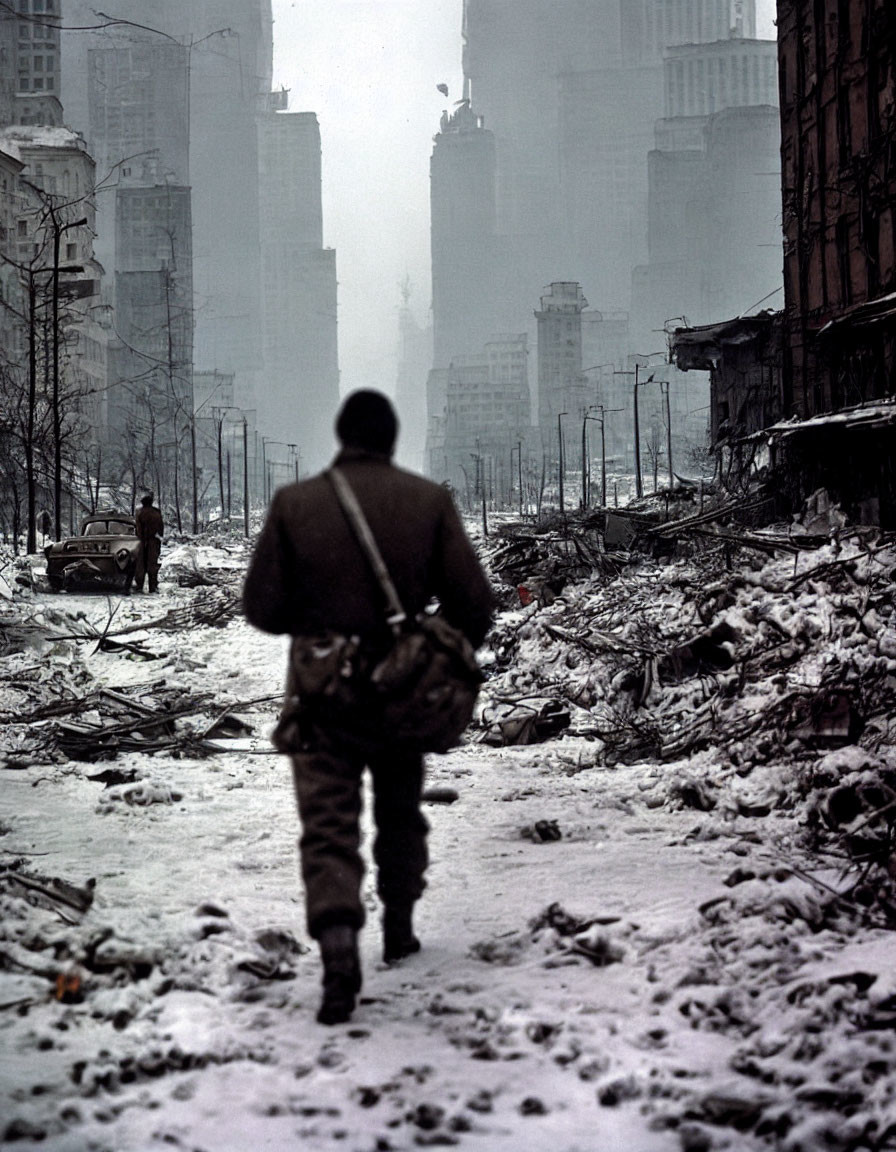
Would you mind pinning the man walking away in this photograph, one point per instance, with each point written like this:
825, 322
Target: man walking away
149, 532
309, 576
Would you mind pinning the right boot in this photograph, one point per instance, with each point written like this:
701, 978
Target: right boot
342, 973
398, 933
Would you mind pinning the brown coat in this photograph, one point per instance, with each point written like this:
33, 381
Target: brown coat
309, 575
149, 523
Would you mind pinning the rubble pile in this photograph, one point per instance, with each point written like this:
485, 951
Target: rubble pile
57, 704
740, 667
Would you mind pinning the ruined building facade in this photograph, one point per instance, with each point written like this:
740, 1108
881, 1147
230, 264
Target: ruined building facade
838, 117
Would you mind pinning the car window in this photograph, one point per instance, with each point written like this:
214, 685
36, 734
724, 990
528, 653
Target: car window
109, 528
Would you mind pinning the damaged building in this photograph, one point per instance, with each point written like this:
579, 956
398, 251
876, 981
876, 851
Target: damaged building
816, 380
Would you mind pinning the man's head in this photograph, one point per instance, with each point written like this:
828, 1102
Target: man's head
147, 500
367, 421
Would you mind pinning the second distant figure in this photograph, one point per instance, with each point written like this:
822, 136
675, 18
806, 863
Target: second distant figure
150, 530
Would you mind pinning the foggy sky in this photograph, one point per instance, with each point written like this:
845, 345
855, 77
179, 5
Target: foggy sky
369, 71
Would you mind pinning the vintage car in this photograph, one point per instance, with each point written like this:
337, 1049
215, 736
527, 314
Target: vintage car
105, 553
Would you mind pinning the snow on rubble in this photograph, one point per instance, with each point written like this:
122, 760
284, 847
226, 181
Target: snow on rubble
661, 903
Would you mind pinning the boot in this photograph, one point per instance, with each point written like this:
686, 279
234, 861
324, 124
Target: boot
398, 933
342, 973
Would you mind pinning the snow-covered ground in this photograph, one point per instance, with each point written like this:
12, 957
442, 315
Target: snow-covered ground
620, 954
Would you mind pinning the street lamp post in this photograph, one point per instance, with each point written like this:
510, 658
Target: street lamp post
193, 469
245, 476
218, 415
480, 484
562, 465
266, 477
560, 440
58, 230
639, 488
519, 451
603, 454
665, 383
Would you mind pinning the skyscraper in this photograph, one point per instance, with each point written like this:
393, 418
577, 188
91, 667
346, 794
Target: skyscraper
301, 387
264, 288
463, 235
227, 46
571, 93
714, 240
29, 63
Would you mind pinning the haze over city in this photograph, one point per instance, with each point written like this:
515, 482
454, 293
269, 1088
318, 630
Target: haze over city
370, 72
578, 706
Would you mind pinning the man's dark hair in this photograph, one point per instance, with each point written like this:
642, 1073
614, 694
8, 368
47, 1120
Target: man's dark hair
367, 420
146, 500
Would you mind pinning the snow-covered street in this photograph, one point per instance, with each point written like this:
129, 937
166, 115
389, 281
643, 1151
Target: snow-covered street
632, 954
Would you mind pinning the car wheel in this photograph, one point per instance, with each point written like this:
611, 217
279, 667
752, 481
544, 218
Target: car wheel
55, 583
128, 581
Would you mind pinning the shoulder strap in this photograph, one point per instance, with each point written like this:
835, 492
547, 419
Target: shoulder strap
358, 521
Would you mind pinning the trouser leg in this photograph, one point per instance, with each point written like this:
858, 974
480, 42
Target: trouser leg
152, 566
400, 849
328, 792
140, 569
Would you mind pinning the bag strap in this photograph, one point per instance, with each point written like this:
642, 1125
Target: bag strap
357, 519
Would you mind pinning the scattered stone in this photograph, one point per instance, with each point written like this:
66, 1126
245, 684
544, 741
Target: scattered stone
427, 1116
614, 1092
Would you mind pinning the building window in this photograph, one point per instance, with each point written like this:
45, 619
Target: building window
71, 251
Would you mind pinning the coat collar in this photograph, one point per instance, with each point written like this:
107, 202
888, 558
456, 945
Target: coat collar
348, 453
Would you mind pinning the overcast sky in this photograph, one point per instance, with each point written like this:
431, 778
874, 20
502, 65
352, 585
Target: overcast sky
369, 69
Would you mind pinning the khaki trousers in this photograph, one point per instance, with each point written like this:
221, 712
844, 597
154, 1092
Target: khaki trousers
328, 783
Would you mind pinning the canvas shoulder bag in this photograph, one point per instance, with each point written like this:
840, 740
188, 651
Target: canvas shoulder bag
423, 690
419, 694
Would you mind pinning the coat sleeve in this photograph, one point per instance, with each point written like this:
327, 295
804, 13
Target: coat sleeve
461, 584
271, 594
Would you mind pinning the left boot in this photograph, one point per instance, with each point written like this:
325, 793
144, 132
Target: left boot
399, 940
342, 973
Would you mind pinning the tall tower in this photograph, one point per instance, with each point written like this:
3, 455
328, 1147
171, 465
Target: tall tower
228, 50
714, 240
571, 92
29, 64
463, 235
560, 379
301, 390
